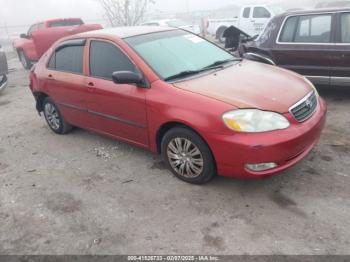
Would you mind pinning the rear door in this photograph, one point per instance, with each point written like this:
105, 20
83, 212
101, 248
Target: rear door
66, 81
305, 44
117, 109
340, 62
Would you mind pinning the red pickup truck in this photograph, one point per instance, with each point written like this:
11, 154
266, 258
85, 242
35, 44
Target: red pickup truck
40, 36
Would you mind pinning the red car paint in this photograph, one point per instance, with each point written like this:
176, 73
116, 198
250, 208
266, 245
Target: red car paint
41, 36
198, 103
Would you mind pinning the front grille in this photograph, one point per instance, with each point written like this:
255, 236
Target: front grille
305, 108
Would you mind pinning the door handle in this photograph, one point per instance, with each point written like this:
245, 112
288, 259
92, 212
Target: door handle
91, 84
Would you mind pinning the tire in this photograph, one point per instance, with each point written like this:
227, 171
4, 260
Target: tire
26, 63
220, 33
188, 165
54, 118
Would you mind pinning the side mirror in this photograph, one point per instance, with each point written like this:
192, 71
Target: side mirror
128, 77
23, 36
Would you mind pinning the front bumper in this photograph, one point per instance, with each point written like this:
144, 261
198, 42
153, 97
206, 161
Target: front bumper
284, 147
3, 83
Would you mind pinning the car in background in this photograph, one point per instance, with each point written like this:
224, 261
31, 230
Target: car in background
40, 36
176, 23
3, 71
313, 43
252, 19
177, 94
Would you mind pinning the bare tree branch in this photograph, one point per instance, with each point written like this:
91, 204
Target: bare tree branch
125, 12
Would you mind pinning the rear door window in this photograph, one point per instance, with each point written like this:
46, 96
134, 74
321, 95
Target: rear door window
68, 59
106, 58
307, 29
314, 29
345, 28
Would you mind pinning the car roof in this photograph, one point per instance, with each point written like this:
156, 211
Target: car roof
127, 31
315, 11
59, 20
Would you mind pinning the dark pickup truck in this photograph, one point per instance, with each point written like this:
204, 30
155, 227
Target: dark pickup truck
314, 43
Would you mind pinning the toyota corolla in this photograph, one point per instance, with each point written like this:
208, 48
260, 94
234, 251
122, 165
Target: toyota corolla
174, 93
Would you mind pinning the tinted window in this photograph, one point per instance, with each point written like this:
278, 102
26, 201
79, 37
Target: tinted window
314, 29
261, 12
106, 58
65, 23
246, 12
289, 30
345, 28
68, 59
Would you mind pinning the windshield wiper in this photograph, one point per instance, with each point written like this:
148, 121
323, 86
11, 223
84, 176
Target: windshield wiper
219, 64
215, 65
183, 74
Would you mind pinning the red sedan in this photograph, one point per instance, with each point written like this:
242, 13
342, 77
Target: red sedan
174, 93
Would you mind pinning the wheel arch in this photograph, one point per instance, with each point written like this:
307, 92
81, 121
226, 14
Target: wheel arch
220, 29
164, 128
39, 98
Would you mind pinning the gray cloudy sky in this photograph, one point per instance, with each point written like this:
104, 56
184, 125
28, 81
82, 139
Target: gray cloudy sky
24, 12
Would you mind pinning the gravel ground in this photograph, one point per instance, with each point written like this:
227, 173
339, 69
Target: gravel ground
86, 194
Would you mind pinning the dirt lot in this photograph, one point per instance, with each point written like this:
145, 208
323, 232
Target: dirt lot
86, 194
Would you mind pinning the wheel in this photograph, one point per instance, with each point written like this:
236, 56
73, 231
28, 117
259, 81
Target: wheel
24, 60
188, 156
54, 118
220, 35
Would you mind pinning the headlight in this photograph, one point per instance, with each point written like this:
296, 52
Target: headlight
254, 121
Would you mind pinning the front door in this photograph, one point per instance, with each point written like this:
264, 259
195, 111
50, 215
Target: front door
117, 109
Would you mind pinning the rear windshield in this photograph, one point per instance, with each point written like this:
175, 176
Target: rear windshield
65, 23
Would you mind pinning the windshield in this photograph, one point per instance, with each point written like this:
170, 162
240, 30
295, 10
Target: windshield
172, 52
176, 23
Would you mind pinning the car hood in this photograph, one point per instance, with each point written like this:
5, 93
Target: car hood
251, 85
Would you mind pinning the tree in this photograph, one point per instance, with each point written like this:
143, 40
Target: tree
125, 12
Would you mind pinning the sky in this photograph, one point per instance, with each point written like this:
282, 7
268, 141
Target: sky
25, 12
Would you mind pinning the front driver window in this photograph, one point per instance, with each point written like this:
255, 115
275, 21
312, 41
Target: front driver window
106, 58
